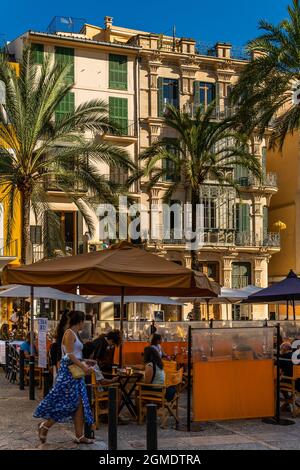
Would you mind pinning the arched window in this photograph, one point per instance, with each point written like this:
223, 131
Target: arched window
2, 93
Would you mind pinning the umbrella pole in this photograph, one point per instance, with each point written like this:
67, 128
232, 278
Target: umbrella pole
207, 309
294, 311
121, 327
287, 310
31, 360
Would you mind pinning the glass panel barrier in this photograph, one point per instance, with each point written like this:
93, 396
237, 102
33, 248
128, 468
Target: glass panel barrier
226, 360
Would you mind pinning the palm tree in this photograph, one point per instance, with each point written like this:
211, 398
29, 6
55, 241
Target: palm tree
202, 150
38, 148
268, 83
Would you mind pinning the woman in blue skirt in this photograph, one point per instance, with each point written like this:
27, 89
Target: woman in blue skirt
68, 399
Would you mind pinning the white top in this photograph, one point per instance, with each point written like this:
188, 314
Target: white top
78, 346
159, 377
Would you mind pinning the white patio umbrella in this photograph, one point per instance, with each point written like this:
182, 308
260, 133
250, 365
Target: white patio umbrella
18, 291
134, 299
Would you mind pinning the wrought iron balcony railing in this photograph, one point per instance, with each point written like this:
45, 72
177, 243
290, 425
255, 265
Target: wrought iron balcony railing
125, 128
227, 237
218, 114
269, 180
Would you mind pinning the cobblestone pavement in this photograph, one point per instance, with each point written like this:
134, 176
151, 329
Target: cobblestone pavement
18, 430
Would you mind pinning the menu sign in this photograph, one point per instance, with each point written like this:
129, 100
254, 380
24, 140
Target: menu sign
42, 342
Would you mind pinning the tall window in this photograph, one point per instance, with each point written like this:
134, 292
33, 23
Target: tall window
65, 56
211, 269
241, 275
118, 113
241, 175
118, 72
169, 165
204, 93
264, 161
210, 213
168, 93
37, 53
66, 106
265, 222
242, 217
118, 175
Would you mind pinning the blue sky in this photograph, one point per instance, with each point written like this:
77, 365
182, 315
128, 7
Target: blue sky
234, 21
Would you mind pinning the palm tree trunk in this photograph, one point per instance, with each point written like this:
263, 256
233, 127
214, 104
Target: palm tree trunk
25, 225
194, 252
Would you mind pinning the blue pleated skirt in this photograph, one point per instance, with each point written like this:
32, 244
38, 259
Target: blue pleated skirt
64, 398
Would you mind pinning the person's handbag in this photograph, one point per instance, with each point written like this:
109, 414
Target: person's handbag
76, 371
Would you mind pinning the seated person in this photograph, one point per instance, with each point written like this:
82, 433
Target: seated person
154, 371
286, 363
105, 349
87, 354
26, 347
156, 344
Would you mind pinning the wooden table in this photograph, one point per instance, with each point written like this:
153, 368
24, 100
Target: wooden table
127, 386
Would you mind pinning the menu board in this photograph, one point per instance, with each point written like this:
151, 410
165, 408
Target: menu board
42, 342
2, 353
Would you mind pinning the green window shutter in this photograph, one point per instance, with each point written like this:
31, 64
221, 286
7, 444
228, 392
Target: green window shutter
242, 217
217, 93
196, 94
118, 72
66, 106
37, 51
65, 56
241, 175
118, 113
265, 221
264, 161
160, 96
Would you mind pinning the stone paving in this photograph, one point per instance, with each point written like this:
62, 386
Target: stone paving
18, 430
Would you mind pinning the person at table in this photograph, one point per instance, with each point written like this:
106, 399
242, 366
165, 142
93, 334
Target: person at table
4, 332
105, 349
68, 399
87, 354
154, 371
25, 347
156, 344
153, 328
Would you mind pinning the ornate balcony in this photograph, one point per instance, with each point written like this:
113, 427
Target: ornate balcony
227, 238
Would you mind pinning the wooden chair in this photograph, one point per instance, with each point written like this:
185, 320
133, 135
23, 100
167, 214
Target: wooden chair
155, 393
169, 366
99, 398
38, 376
243, 355
289, 392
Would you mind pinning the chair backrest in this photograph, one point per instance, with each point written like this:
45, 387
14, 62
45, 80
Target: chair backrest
93, 378
244, 355
170, 366
296, 372
174, 378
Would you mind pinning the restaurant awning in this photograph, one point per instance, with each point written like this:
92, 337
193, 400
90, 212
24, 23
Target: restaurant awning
122, 269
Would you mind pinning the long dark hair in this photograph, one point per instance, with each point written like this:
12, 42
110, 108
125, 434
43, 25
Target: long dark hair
76, 317
151, 355
61, 327
156, 338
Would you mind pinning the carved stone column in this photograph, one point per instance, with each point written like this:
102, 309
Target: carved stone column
188, 69
227, 271
154, 62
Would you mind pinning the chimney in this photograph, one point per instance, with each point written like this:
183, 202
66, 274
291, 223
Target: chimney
108, 21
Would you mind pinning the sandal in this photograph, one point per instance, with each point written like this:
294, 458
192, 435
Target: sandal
43, 437
83, 440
